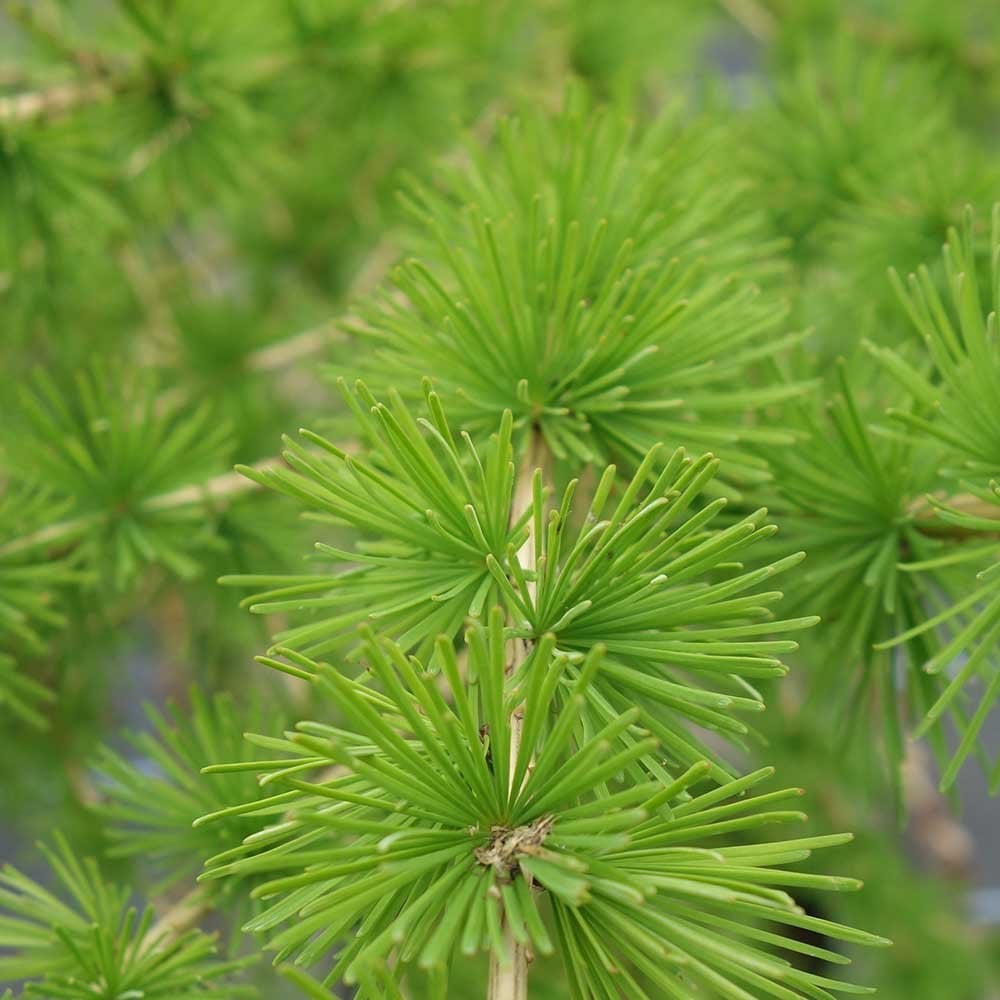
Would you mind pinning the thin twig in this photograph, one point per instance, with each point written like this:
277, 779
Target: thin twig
180, 917
757, 20
929, 523
58, 100
285, 353
510, 981
221, 489
939, 836
147, 292
64, 98
977, 56
290, 350
224, 488
150, 151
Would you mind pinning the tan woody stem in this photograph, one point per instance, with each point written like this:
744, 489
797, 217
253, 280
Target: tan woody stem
509, 981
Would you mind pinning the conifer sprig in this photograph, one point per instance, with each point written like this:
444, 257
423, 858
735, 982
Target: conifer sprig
151, 796
976, 637
88, 941
597, 284
615, 631
430, 508
960, 398
534, 745
845, 497
104, 453
647, 576
839, 121
424, 847
902, 222
687, 629
957, 403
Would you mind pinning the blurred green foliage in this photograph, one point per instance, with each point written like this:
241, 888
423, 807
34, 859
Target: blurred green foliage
193, 195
